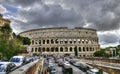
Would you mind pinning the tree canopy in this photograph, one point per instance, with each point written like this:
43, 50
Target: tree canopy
9, 46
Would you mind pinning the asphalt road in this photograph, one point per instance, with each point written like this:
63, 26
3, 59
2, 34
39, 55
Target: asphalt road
59, 69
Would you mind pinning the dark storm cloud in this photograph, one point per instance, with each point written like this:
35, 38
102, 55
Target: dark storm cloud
22, 3
50, 14
103, 14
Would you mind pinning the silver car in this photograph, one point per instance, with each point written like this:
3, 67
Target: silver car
6, 67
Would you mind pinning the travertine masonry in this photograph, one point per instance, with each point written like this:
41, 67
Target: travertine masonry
62, 40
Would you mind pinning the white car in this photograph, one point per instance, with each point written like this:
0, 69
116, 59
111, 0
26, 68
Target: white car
93, 71
66, 64
6, 67
18, 60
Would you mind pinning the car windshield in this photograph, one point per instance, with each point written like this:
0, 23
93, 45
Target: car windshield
2, 68
15, 60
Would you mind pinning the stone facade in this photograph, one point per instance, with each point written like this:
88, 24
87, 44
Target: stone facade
3, 21
62, 40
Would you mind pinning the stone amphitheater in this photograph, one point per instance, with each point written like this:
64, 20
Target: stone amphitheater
62, 40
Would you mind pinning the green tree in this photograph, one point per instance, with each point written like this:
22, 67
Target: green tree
75, 50
9, 47
6, 29
26, 41
99, 53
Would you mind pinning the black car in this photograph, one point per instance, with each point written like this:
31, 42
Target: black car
67, 70
72, 62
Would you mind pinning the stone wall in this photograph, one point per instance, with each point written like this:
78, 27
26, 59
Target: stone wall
63, 41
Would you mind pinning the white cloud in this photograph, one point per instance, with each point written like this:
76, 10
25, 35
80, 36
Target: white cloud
3, 9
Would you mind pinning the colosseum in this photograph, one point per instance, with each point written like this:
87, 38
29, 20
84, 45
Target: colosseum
62, 40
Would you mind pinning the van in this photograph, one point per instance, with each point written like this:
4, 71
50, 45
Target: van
18, 60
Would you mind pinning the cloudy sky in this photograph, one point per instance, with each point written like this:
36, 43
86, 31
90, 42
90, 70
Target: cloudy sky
102, 15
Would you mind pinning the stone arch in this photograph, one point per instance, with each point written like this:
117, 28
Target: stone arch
61, 49
43, 41
90, 48
48, 49
32, 50
83, 49
66, 49
79, 49
84, 55
32, 42
87, 49
52, 49
48, 41
39, 50
56, 49
39, 41
43, 49
70, 49
35, 49
52, 42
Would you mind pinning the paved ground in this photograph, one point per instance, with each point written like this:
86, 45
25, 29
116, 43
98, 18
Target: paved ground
59, 69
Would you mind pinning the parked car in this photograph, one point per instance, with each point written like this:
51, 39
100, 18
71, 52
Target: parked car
29, 59
81, 66
66, 63
72, 62
6, 67
18, 60
53, 70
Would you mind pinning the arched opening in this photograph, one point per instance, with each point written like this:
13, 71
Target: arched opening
79, 49
84, 49
52, 42
47, 41
56, 49
75, 51
56, 41
61, 49
90, 48
39, 50
35, 49
87, 48
39, 41
48, 49
93, 48
32, 42
43, 41
70, 49
43, 49
32, 50
52, 49
66, 49
84, 56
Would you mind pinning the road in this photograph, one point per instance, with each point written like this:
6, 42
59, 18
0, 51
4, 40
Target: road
75, 70
59, 69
